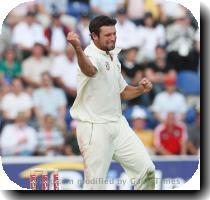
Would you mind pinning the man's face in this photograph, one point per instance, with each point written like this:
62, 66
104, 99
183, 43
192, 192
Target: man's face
106, 39
171, 118
17, 86
46, 81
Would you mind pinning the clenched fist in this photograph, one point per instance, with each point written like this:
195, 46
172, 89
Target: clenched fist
73, 38
146, 84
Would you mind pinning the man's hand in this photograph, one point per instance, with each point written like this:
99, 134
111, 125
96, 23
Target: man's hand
146, 85
73, 38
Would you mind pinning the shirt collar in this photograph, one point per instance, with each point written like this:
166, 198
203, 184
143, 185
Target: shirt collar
115, 51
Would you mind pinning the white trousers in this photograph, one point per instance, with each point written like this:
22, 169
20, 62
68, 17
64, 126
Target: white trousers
100, 143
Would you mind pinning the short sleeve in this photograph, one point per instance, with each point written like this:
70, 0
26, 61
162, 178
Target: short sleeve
122, 83
92, 57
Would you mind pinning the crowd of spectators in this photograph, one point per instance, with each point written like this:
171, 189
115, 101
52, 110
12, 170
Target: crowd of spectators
159, 39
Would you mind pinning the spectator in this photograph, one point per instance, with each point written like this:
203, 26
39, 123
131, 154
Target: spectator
126, 30
10, 67
104, 7
56, 35
170, 137
27, 33
180, 38
169, 100
16, 101
50, 139
157, 70
18, 138
35, 65
49, 100
131, 70
193, 145
139, 118
64, 72
71, 144
82, 29
150, 35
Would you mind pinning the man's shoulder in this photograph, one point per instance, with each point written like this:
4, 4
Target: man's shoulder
21, 25
160, 128
8, 128
178, 95
89, 50
59, 58
162, 94
8, 96
30, 129
25, 96
58, 91
28, 60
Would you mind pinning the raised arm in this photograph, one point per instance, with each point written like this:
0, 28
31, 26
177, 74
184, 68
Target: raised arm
131, 92
84, 63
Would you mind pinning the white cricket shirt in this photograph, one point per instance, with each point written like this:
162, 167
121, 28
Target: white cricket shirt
98, 98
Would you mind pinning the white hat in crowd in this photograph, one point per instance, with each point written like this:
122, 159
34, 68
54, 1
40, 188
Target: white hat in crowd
138, 113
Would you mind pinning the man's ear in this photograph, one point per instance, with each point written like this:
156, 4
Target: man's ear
94, 36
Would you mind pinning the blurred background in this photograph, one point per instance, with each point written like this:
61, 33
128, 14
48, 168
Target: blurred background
159, 39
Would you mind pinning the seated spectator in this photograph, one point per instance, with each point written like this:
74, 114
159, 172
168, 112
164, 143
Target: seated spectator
170, 137
193, 144
71, 144
10, 67
50, 139
125, 30
132, 73
56, 35
16, 101
82, 29
18, 138
35, 65
149, 35
139, 118
27, 33
49, 100
104, 7
131, 70
169, 100
64, 71
157, 70
181, 50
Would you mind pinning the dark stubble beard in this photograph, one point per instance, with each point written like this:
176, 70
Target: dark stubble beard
111, 48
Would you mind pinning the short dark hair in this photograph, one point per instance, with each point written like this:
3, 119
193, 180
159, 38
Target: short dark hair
98, 22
